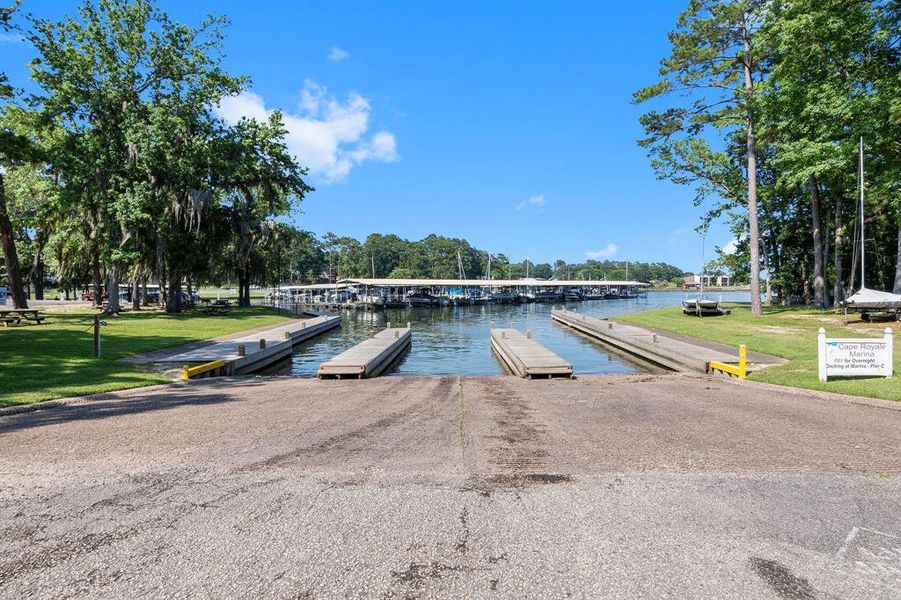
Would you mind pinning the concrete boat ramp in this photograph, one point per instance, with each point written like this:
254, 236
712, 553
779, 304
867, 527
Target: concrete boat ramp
671, 351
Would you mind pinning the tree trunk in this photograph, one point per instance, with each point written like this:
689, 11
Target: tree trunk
897, 287
145, 299
37, 265
754, 233
112, 290
808, 298
136, 288
10, 256
173, 294
96, 279
838, 292
243, 290
819, 277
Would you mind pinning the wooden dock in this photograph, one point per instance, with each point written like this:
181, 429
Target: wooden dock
527, 358
252, 352
668, 352
370, 357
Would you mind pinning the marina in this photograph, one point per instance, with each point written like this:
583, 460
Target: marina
376, 294
525, 357
370, 357
451, 340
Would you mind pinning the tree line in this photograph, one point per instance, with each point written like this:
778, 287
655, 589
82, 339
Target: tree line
117, 169
761, 107
310, 259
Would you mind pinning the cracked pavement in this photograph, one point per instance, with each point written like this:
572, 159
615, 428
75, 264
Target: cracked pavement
615, 486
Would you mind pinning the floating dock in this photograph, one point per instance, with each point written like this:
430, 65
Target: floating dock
253, 352
370, 357
668, 352
527, 358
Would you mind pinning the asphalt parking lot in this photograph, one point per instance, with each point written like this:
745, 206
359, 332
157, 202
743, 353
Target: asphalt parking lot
655, 485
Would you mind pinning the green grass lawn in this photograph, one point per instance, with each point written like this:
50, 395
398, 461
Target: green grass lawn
55, 360
785, 332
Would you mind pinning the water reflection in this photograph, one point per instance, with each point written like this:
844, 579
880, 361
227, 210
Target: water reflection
454, 340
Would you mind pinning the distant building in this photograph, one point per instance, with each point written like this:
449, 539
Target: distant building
692, 281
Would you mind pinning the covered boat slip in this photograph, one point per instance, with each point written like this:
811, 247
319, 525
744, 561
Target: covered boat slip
379, 292
370, 357
525, 357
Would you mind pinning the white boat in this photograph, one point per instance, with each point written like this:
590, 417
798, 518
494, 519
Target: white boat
703, 306
865, 299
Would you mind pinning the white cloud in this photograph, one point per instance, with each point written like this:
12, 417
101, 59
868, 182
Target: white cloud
679, 234
325, 134
731, 247
337, 54
11, 38
536, 201
605, 252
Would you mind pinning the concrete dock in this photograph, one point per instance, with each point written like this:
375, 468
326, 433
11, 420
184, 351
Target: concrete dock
525, 357
676, 353
260, 349
370, 357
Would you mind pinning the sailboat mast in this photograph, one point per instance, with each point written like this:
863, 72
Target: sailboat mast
703, 239
372, 258
862, 236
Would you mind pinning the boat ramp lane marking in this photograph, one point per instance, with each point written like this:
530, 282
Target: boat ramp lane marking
369, 358
525, 357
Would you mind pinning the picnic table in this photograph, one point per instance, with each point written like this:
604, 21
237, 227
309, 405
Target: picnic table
14, 316
214, 307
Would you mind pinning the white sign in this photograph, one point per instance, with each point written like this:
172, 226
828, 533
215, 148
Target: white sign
3, 294
854, 357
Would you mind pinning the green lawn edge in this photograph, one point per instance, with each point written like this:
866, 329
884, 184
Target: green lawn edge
55, 360
789, 333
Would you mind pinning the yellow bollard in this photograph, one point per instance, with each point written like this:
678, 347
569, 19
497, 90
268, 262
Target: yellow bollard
743, 361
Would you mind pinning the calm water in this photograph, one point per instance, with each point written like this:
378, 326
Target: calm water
454, 340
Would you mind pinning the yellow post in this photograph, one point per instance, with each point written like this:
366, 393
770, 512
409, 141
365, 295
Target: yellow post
185, 373
743, 361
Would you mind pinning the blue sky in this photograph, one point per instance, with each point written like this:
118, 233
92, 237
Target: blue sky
507, 124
